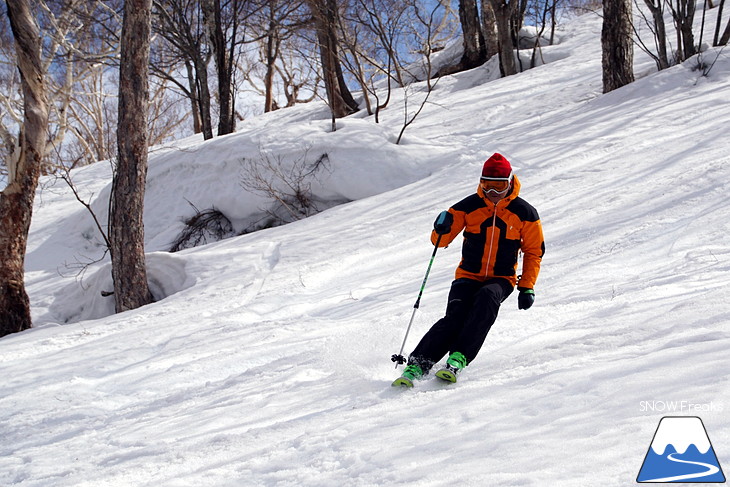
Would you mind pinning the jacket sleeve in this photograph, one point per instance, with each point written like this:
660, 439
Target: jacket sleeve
456, 228
533, 248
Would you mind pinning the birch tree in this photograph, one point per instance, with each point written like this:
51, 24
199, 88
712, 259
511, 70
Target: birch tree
16, 200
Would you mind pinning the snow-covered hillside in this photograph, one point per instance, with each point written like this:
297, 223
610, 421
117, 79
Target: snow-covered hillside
267, 363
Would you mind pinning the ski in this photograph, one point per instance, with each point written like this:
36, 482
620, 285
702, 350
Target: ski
446, 374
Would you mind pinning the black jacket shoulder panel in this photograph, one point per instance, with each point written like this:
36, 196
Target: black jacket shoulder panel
524, 210
471, 203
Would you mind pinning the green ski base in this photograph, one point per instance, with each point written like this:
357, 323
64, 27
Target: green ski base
443, 374
447, 375
402, 382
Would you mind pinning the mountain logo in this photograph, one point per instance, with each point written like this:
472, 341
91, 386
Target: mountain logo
681, 452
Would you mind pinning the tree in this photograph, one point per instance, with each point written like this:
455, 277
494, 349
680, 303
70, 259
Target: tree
178, 23
129, 273
283, 62
16, 200
393, 40
277, 24
617, 44
656, 7
271, 50
80, 59
475, 48
478, 36
489, 28
683, 14
503, 13
433, 26
540, 13
326, 20
717, 39
371, 31
72, 54
194, 32
223, 53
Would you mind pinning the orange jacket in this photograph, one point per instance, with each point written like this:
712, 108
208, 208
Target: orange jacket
493, 236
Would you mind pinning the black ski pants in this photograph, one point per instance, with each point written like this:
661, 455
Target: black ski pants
470, 313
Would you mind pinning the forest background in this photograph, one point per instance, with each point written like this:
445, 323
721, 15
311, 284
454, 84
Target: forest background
107, 80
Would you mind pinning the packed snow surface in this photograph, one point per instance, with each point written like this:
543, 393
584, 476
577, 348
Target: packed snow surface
266, 359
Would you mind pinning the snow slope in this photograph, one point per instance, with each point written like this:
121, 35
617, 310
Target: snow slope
267, 361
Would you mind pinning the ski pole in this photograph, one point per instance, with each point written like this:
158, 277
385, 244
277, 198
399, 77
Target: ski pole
399, 358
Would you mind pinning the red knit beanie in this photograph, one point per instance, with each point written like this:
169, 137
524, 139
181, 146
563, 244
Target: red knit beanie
496, 167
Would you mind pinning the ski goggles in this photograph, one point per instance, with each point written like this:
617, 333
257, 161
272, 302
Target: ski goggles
495, 185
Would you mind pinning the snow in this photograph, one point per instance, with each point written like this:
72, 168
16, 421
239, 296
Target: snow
266, 360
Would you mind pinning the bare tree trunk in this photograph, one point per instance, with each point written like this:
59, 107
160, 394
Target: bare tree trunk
542, 25
660, 32
272, 48
339, 97
129, 273
617, 44
553, 20
503, 13
723, 40
725, 36
718, 24
203, 96
687, 15
175, 22
193, 97
489, 29
475, 52
16, 200
683, 12
517, 18
213, 22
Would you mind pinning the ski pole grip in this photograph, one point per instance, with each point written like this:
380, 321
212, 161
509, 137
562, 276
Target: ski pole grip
443, 223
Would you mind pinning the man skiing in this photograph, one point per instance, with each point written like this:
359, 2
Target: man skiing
497, 224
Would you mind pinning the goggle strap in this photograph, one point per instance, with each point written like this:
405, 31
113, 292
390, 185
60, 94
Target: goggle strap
508, 178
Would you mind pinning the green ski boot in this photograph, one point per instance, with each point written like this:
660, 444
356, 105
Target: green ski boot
454, 364
410, 373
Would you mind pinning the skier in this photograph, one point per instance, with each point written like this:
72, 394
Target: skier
497, 223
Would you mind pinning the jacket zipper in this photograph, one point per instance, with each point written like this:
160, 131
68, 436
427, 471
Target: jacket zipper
491, 241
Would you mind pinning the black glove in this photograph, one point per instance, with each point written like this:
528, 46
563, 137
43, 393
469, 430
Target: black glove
443, 222
526, 298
